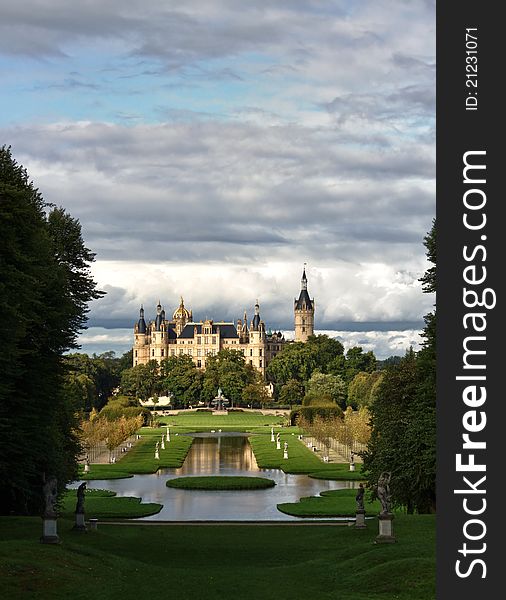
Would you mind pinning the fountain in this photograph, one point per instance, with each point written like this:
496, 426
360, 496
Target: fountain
220, 403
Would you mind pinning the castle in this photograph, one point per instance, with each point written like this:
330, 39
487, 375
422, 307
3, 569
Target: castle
181, 335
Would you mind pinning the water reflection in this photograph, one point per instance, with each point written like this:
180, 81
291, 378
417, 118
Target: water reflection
219, 454
213, 454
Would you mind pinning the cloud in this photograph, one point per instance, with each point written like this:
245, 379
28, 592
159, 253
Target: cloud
210, 149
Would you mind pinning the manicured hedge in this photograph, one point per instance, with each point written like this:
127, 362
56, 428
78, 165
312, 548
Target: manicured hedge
221, 482
310, 412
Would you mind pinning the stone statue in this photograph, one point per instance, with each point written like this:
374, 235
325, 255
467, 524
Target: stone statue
359, 498
285, 446
383, 491
220, 393
80, 498
50, 491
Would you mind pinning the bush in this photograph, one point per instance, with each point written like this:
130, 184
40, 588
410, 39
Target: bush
112, 413
326, 411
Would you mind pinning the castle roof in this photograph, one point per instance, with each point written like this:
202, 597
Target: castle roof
227, 330
304, 302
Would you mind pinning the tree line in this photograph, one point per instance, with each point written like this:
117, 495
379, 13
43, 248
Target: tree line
45, 288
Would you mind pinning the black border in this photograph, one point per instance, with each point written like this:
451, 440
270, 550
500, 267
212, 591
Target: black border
460, 130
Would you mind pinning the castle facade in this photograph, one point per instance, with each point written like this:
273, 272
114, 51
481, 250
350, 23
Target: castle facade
181, 335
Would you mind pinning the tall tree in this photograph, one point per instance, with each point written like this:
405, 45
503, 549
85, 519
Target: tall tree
403, 416
45, 287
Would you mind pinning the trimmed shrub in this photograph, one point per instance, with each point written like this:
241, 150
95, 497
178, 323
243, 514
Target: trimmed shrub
326, 411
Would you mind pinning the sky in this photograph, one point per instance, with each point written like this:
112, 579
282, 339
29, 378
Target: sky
211, 148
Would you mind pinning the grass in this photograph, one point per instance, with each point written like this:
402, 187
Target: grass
103, 504
221, 482
339, 472
218, 562
330, 503
233, 420
141, 458
300, 459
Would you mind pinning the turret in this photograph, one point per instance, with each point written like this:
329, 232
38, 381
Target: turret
304, 312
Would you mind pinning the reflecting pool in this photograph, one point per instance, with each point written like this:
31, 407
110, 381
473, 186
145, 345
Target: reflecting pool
219, 454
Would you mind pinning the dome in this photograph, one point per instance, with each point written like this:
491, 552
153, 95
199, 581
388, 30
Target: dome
182, 312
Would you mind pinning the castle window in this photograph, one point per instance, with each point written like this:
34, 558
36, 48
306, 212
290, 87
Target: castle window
152, 352
199, 339
135, 364
250, 362
260, 351
214, 339
303, 321
173, 352
163, 352
136, 353
206, 340
199, 352
260, 362
181, 352
199, 363
303, 330
251, 353
190, 352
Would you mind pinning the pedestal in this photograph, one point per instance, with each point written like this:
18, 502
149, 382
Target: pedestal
272, 437
278, 445
93, 524
285, 454
360, 519
163, 444
157, 455
80, 525
49, 532
86, 468
386, 531
352, 467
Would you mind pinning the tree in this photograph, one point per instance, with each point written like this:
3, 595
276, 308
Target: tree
45, 288
141, 381
363, 388
292, 392
182, 379
322, 384
295, 361
356, 360
229, 371
403, 416
255, 394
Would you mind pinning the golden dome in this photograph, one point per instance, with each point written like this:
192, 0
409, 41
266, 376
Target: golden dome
182, 312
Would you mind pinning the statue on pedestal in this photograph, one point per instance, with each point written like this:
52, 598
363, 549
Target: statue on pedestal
359, 498
383, 491
80, 498
50, 491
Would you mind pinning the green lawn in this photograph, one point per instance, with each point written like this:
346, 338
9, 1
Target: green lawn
339, 472
103, 504
221, 482
300, 458
218, 562
330, 503
231, 420
141, 458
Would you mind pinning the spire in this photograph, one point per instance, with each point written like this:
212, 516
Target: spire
141, 324
303, 281
256, 319
245, 323
158, 308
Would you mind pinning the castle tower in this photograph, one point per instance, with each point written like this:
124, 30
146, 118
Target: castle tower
182, 316
140, 350
304, 312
